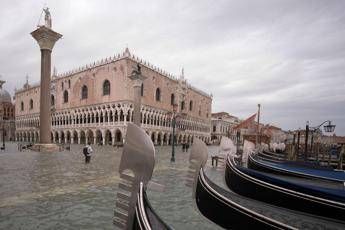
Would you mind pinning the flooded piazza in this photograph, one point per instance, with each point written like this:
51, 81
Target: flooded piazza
58, 191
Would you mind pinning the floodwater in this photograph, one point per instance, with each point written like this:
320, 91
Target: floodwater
58, 191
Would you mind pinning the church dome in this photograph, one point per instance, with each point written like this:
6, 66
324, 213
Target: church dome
4, 95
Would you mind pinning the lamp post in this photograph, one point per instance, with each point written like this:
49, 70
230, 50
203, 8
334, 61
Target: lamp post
328, 129
173, 133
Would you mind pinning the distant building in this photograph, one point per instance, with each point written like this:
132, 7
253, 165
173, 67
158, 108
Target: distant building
7, 115
222, 124
94, 103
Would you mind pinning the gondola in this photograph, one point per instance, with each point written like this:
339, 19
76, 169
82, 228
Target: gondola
145, 217
232, 211
272, 156
296, 196
214, 203
133, 210
311, 171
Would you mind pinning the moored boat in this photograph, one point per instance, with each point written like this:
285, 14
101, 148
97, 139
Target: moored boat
233, 211
298, 170
311, 199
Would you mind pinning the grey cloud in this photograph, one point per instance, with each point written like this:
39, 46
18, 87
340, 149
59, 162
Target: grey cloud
287, 55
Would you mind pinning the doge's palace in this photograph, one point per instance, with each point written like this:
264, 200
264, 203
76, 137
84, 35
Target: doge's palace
95, 102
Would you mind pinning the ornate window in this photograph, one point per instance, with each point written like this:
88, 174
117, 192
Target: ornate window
21, 106
142, 90
31, 104
106, 87
172, 99
65, 96
190, 105
84, 92
158, 94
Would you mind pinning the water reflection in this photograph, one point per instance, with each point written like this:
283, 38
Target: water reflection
58, 191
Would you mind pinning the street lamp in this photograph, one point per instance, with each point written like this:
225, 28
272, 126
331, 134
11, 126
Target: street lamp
328, 129
173, 132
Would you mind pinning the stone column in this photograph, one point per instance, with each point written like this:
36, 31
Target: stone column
137, 79
46, 39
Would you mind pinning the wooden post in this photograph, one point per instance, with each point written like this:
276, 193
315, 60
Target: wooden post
258, 127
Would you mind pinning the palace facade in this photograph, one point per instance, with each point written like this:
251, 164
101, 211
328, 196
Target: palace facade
223, 125
94, 104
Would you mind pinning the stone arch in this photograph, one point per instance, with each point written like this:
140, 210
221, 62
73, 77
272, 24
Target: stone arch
89, 136
62, 137
98, 137
118, 137
56, 136
82, 137
184, 140
37, 136
165, 138
75, 136
68, 136
179, 139
159, 138
107, 137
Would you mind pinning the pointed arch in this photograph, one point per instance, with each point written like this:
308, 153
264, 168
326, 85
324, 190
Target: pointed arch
106, 87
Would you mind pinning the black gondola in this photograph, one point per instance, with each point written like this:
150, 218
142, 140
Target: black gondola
213, 203
145, 217
298, 170
253, 184
272, 156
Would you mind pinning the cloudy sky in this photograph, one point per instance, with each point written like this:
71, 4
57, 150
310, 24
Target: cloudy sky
287, 55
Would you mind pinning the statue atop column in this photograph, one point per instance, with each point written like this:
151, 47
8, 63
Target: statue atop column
47, 18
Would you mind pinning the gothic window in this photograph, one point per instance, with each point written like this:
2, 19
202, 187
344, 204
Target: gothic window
65, 96
158, 94
31, 104
52, 100
69, 83
106, 87
190, 105
142, 90
172, 99
84, 92
62, 85
21, 106
182, 105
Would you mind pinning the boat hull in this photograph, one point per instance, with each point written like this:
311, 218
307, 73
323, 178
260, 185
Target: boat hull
229, 214
249, 186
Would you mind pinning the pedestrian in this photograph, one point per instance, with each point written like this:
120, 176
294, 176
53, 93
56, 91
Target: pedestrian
87, 151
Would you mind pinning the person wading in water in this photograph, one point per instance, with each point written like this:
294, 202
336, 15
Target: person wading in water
87, 151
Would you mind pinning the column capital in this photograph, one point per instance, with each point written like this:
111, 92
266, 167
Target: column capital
45, 37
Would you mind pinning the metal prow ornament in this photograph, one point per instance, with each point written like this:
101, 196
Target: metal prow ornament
136, 166
197, 160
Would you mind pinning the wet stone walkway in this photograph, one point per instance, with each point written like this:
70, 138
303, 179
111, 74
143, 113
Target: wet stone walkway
58, 191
